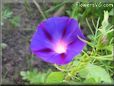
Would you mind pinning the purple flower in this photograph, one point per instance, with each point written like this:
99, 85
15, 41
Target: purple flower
56, 40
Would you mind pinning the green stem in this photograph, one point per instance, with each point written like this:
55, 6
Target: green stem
73, 12
104, 57
59, 68
77, 68
89, 43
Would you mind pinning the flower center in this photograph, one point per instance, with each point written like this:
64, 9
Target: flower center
60, 47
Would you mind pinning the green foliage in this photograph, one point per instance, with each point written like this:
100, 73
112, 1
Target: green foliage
95, 74
15, 21
106, 27
3, 45
55, 77
41, 78
6, 13
81, 13
92, 67
33, 76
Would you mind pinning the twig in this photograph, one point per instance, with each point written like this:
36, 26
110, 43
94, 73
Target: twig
40, 10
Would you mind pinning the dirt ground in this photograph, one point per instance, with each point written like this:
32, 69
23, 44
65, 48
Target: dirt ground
17, 57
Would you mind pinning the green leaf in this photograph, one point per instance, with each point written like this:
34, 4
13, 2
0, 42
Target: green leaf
95, 74
7, 13
109, 48
111, 12
3, 45
15, 21
90, 80
55, 77
38, 79
33, 77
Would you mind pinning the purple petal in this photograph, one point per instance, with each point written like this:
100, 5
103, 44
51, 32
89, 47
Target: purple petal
55, 40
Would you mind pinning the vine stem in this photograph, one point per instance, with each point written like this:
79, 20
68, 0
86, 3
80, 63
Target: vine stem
59, 68
106, 57
80, 66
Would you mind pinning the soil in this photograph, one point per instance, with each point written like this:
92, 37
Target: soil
17, 57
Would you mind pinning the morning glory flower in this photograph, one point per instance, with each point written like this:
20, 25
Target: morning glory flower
56, 40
